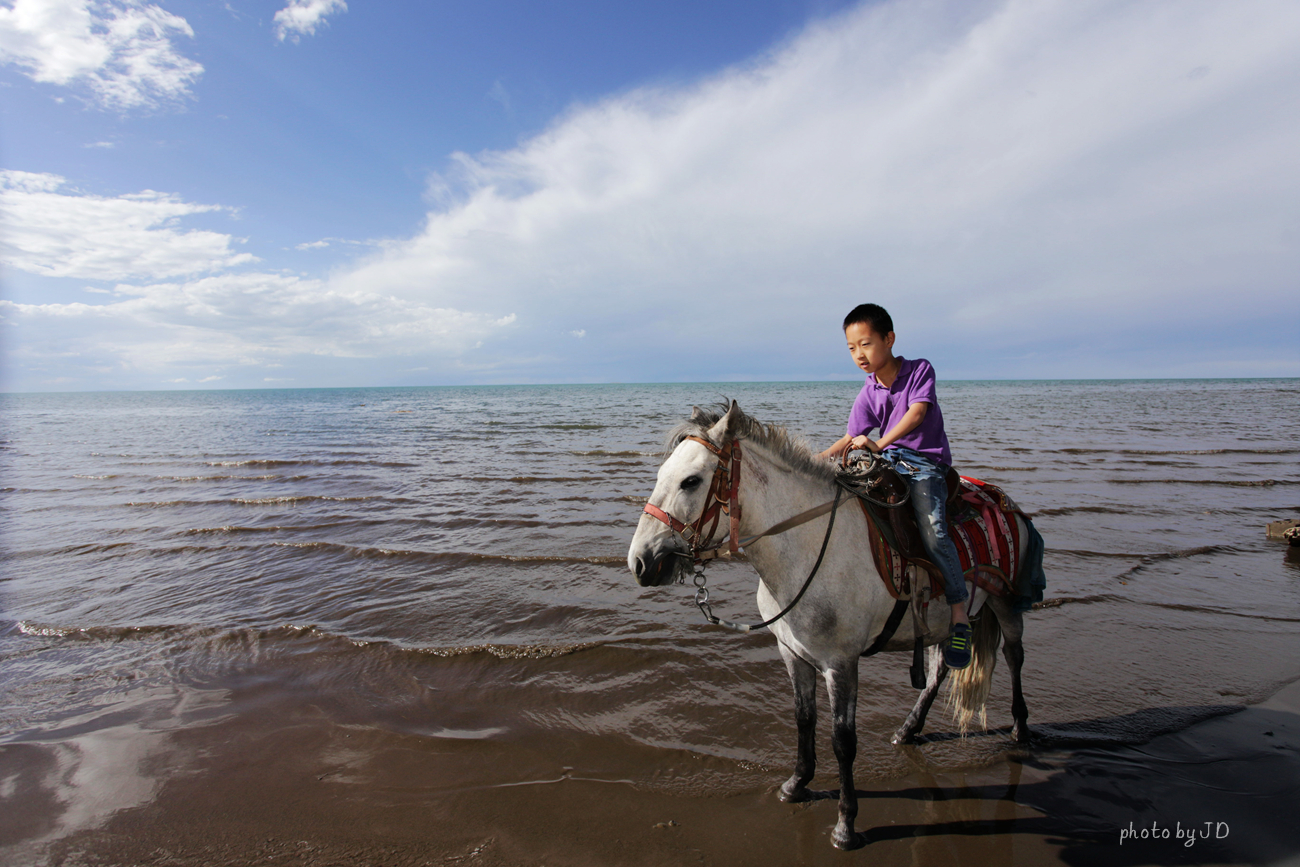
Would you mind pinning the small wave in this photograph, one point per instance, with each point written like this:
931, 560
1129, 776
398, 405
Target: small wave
93, 478
1178, 606
573, 426
202, 531
1058, 601
217, 478
70, 550
599, 453
499, 522
274, 528
510, 651
260, 501
92, 633
1170, 452
299, 498
1150, 559
1086, 510
1107, 555
245, 637
450, 558
306, 462
532, 480
1231, 483
1273, 451
163, 504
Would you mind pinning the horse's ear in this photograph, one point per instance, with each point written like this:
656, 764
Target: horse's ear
698, 415
728, 426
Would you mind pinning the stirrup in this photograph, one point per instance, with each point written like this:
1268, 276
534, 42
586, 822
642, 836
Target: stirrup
957, 649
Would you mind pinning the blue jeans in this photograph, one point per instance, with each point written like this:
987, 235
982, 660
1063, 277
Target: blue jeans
926, 477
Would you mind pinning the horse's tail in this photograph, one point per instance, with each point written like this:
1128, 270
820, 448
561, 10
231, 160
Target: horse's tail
968, 689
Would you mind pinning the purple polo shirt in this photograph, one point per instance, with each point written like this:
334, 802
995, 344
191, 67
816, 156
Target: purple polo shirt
880, 407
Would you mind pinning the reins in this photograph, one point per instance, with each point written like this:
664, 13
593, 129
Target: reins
702, 590
727, 478
855, 478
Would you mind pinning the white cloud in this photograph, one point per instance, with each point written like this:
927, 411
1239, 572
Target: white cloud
1003, 172
121, 50
302, 17
238, 320
49, 231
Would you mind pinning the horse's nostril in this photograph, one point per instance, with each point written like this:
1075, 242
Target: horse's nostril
640, 567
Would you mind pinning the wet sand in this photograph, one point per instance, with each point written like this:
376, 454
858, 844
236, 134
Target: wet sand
269, 787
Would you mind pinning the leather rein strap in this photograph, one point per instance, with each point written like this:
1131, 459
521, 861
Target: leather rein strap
722, 498
727, 478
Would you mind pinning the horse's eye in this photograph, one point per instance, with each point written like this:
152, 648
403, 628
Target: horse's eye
690, 482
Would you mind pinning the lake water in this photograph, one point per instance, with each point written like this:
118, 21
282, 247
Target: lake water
443, 569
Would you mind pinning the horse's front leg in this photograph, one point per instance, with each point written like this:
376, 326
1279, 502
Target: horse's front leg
803, 677
842, 684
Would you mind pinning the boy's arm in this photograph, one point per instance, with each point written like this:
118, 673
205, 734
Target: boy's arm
835, 449
908, 423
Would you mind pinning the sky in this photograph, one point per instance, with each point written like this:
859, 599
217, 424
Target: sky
320, 193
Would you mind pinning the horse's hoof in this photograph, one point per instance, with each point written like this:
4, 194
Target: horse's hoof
903, 737
1020, 733
842, 838
794, 796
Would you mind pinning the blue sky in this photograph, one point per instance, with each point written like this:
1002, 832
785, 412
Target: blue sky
316, 193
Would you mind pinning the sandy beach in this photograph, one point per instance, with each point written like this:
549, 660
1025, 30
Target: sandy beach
259, 788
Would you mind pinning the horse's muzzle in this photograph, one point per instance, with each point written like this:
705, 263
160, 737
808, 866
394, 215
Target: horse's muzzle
654, 568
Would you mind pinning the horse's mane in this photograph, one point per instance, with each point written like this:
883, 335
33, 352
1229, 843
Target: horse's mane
792, 450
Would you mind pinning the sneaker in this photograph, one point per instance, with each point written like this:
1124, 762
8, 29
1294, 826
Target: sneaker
956, 650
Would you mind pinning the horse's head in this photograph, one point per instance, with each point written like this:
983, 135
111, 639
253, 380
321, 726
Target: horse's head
660, 552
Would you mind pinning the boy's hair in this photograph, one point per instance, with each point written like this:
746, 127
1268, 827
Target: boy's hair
870, 314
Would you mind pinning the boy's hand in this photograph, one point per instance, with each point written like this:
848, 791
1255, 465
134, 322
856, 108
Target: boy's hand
864, 442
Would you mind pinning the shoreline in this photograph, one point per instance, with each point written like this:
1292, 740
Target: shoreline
259, 788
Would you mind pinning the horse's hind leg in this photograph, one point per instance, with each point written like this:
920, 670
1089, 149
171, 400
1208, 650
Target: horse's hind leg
804, 679
1013, 651
915, 721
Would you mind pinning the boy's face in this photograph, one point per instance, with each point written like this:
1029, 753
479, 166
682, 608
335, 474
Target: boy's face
870, 351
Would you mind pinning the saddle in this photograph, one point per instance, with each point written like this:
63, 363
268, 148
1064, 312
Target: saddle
987, 539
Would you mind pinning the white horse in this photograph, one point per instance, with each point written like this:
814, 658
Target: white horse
844, 608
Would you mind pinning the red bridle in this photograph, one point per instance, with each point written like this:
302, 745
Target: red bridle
721, 499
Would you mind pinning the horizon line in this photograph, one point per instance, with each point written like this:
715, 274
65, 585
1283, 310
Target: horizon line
647, 382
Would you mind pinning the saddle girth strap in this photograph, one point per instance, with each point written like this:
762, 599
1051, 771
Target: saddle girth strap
891, 626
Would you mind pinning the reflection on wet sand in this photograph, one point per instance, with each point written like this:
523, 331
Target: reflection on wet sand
285, 780
113, 759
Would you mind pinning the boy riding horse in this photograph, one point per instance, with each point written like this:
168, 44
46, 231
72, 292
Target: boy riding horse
898, 398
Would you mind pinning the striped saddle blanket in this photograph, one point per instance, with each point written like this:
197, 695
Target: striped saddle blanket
981, 521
